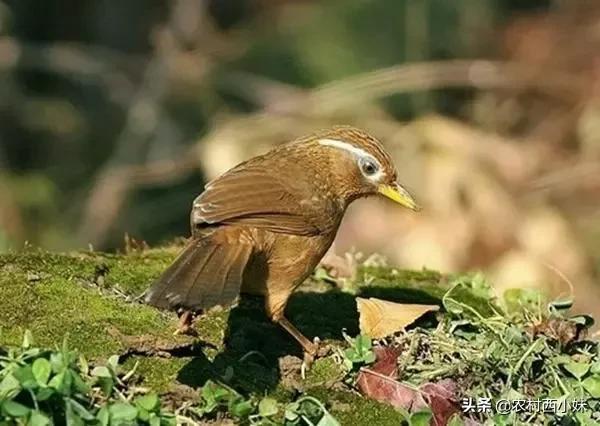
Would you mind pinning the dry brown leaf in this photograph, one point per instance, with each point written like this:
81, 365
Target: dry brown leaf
380, 318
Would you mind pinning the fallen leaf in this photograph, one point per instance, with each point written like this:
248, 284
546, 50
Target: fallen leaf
385, 389
379, 383
441, 398
380, 318
560, 330
386, 361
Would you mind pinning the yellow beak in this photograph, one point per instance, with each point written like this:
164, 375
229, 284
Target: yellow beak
400, 195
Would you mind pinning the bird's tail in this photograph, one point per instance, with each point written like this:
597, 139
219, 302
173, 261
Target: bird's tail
206, 273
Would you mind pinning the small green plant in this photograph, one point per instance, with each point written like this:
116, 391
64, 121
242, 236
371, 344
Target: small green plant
41, 387
306, 408
217, 397
360, 351
516, 347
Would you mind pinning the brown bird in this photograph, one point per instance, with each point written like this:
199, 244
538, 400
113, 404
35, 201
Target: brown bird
263, 226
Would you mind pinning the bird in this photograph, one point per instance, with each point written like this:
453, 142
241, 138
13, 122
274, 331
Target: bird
262, 227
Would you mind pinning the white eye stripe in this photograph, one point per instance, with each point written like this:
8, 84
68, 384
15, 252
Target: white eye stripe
345, 146
357, 152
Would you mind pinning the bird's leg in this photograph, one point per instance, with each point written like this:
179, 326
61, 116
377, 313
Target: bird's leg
275, 305
309, 347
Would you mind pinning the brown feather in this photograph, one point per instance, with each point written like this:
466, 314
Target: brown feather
183, 263
252, 196
208, 272
181, 293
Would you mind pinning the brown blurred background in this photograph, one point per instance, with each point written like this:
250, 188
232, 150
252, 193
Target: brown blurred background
114, 113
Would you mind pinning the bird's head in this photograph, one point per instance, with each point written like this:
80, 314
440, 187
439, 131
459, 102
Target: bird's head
361, 167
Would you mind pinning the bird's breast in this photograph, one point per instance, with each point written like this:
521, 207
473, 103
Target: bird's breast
283, 261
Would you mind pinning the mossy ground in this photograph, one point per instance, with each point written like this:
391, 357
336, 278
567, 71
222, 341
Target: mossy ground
92, 298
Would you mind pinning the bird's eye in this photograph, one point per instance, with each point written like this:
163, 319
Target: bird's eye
368, 166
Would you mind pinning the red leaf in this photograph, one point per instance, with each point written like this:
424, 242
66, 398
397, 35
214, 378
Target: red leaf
379, 383
385, 389
387, 361
441, 398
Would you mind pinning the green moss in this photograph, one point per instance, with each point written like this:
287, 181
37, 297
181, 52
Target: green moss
158, 374
402, 286
54, 295
211, 329
91, 297
96, 326
392, 276
427, 287
324, 371
134, 272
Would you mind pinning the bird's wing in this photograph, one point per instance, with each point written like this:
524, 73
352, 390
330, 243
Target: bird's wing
250, 195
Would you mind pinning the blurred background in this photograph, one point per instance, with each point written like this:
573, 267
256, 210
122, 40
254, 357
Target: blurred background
114, 113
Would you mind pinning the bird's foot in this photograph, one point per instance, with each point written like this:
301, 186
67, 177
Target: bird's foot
311, 353
185, 325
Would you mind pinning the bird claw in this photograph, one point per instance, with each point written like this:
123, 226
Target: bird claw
316, 350
306, 364
186, 326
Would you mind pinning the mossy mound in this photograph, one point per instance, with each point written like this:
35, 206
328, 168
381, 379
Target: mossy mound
93, 298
